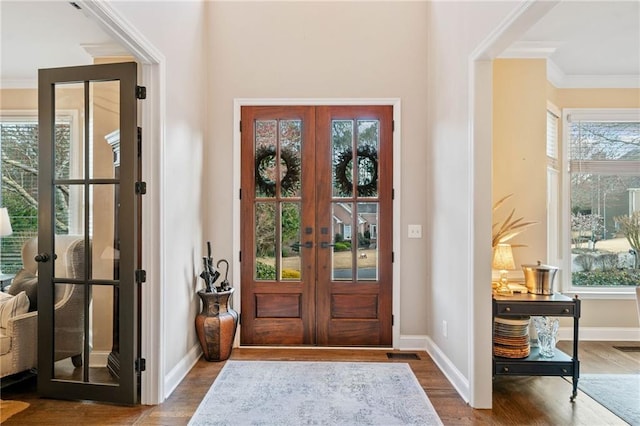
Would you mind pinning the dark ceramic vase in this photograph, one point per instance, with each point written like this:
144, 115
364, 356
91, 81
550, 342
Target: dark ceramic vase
216, 325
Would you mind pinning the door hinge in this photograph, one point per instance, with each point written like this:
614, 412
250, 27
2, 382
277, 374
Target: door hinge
393, 257
240, 256
240, 125
393, 193
141, 276
141, 188
393, 318
140, 365
141, 92
393, 125
239, 318
240, 194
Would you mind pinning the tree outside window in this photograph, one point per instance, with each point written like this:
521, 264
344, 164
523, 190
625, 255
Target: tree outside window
604, 170
19, 153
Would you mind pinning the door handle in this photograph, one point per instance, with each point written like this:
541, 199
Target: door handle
41, 257
325, 244
307, 244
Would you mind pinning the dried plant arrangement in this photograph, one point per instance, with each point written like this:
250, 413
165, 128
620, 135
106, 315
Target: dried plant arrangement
503, 231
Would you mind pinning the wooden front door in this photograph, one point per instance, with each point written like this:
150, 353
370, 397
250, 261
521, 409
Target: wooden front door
316, 248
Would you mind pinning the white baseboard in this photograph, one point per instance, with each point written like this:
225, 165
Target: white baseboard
180, 371
413, 343
455, 377
601, 333
98, 359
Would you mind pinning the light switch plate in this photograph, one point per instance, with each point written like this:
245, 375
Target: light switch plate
415, 231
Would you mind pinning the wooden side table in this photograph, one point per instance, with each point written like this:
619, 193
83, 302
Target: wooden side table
555, 305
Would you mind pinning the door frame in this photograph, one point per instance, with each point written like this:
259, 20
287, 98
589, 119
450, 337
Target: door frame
152, 118
238, 103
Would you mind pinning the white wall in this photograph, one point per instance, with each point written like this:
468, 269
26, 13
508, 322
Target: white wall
325, 50
455, 31
177, 30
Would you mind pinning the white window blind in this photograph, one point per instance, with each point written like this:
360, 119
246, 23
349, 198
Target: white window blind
552, 135
604, 143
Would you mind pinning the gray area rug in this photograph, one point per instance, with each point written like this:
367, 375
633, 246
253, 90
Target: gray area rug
619, 393
315, 393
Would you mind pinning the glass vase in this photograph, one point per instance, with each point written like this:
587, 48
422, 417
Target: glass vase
547, 330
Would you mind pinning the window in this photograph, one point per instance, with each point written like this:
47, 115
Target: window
19, 187
602, 210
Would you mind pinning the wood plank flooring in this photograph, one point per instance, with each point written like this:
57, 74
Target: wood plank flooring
516, 400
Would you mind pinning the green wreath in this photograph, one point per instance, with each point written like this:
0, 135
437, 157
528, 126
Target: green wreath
265, 158
343, 181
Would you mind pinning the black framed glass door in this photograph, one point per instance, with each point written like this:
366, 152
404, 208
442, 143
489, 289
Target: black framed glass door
88, 227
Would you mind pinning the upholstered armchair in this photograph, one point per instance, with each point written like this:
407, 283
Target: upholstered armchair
18, 341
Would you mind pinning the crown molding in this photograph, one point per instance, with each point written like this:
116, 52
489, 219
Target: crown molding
561, 80
104, 50
531, 49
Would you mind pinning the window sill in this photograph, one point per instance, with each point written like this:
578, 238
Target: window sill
626, 293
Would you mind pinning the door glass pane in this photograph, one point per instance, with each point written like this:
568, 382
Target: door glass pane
265, 150
105, 255
367, 241
69, 138
68, 329
290, 242
290, 157
265, 244
105, 120
342, 156
70, 358
368, 141
342, 253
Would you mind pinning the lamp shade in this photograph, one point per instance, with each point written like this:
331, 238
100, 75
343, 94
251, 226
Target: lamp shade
503, 257
5, 223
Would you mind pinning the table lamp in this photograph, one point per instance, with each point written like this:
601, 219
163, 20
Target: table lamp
5, 223
503, 261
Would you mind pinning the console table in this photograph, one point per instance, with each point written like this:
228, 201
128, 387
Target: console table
555, 305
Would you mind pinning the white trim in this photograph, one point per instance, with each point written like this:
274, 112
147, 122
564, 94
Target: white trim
448, 368
104, 50
622, 293
152, 117
479, 389
530, 50
238, 103
557, 77
182, 368
606, 334
98, 359
570, 115
412, 343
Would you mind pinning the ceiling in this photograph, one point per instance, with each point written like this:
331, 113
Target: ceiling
46, 34
587, 43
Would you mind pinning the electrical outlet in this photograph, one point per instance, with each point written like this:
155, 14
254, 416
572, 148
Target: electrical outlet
444, 328
415, 231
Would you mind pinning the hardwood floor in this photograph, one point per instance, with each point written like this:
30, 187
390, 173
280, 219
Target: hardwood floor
516, 400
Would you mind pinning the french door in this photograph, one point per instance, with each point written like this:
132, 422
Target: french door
316, 237
88, 233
